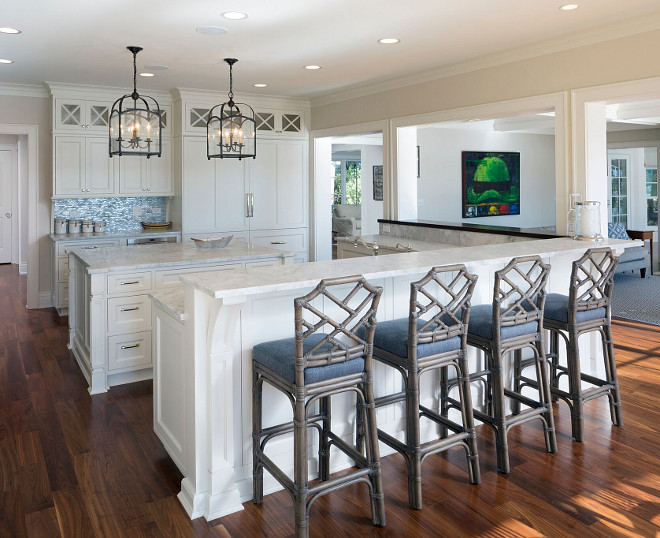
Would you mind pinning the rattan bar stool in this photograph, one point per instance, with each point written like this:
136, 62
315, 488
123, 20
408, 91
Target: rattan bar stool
417, 345
513, 322
311, 367
587, 308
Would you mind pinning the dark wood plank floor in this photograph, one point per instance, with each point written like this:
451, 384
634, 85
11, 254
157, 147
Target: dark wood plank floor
74, 465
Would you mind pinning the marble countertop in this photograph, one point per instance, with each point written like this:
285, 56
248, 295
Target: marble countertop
171, 301
286, 277
117, 235
391, 241
170, 256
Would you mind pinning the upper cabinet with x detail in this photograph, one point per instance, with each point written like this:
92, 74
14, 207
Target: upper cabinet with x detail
82, 116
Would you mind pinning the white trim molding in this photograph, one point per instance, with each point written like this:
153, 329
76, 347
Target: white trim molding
23, 90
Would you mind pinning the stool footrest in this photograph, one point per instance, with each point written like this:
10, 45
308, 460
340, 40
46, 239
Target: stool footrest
335, 483
347, 449
522, 399
432, 415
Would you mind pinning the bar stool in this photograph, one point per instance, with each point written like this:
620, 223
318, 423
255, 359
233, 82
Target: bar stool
587, 308
311, 367
415, 346
513, 322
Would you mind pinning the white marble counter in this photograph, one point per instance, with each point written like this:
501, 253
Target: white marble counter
390, 241
171, 255
117, 235
171, 301
263, 280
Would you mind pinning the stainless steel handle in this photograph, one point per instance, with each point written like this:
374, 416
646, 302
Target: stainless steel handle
88, 248
131, 346
126, 283
278, 242
130, 309
251, 204
247, 204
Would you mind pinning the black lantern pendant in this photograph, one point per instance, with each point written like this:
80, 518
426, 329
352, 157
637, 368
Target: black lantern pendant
135, 122
231, 132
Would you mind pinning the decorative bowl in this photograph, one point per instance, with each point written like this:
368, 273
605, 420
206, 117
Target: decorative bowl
212, 242
156, 225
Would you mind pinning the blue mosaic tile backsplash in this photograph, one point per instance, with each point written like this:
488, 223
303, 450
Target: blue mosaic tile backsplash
116, 212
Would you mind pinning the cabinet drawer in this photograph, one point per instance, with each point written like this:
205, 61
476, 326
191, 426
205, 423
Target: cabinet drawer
62, 269
169, 279
63, 247
129, 283
129, 314
129, 351
293, 241
62, 294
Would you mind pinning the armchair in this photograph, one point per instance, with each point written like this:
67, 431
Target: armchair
347, 219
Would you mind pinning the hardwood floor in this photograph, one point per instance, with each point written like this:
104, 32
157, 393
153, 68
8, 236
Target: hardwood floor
74, 465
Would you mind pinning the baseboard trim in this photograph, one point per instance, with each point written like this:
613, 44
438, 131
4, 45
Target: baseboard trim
22, 268
45, 300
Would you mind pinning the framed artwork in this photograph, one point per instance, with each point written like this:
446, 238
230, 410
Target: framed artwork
491, 183
378, 182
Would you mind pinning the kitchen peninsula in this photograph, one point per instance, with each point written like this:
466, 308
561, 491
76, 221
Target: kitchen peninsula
110, 307
204, 339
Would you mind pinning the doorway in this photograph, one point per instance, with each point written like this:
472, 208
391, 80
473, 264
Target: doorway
8, 189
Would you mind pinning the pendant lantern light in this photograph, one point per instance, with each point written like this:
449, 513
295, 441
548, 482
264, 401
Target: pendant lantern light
231, 130
135, 122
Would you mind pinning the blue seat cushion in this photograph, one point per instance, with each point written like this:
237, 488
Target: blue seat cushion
392, 336
556, 308
279, 356
481, 324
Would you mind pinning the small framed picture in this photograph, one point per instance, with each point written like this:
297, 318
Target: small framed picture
378, 182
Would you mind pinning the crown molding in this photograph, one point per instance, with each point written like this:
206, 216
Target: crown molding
562, 43
104, 93
212, 98
24, 90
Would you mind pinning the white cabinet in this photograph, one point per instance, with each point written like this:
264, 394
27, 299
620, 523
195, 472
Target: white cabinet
147, 177
79, 114
83, 167
279, 123
266, 194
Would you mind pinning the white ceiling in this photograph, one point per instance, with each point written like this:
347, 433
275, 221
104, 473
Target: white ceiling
83, 41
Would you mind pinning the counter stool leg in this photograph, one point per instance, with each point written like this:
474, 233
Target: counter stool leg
545, 398
468, 419
444, 403
610, 370
575, 385
324, 441
517, 372
499, 413
300, 477
554, 362
412, 440
373, 457
257, 469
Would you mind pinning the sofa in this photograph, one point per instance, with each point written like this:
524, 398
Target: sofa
347, 219
633, 257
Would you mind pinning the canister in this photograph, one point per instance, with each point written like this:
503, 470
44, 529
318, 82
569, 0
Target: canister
60, 225
74, 226
87, 226
99, 226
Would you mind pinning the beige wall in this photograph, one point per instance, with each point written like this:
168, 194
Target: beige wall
619, 60
36, 111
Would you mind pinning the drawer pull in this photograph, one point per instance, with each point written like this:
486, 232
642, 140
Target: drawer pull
278, 242
88, 248
131, 346
127, 282
130, 309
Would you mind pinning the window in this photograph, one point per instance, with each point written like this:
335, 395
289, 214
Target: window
619, 170
651, 196
347, 182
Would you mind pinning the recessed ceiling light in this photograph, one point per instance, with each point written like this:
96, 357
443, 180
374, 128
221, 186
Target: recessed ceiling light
7, 30
147, 75
156, 67
211, 30
569, 7
3, 61
234, 15
312, 67
388, 40
260, 85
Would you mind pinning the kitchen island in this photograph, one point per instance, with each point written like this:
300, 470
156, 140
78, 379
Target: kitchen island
203, 359
110, 307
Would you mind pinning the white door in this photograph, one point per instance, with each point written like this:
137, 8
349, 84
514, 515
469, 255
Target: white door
6, 180
618, 199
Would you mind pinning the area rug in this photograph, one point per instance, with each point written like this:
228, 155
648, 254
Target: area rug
636, 298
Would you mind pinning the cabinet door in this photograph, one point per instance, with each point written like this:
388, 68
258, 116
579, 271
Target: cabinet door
230, 201
70, 114
132, 174
278, 181
70, 165
97, 116
99, 167
159, 171
198, 187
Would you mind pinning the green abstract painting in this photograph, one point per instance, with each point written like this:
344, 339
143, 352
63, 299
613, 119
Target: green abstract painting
491, 183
